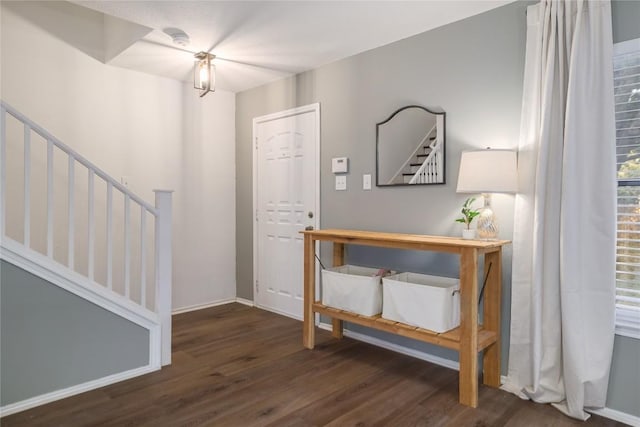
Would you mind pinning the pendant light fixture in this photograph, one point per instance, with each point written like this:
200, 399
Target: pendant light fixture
204, 73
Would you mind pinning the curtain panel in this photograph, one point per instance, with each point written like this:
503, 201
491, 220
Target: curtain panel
563, 276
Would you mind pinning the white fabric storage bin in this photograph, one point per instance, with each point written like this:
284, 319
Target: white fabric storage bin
429, 302
352, 288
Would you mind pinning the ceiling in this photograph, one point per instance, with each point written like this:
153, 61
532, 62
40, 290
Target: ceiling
256, 42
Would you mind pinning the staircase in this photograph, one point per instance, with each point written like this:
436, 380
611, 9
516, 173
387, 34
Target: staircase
81, 230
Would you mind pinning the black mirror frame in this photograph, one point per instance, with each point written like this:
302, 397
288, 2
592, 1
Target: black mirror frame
444, 148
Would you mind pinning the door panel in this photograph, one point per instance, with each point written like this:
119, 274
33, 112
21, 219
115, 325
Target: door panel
286, 185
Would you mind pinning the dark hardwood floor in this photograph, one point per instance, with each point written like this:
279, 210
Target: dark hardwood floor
239, 366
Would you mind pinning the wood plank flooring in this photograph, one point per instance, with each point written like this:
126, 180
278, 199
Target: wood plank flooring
239, 366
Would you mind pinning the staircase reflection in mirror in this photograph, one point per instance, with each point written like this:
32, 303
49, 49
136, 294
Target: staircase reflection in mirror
410, 147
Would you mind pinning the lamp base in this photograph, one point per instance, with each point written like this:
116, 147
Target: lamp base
487, 224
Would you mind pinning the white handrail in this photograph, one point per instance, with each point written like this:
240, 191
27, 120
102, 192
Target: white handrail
161, 213
413, 154
55, 141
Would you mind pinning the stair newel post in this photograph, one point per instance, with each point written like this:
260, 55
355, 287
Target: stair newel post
163, 269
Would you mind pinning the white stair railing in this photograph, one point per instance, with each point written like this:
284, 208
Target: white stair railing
431, 170
154, 278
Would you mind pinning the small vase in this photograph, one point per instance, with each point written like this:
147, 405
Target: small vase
468, 234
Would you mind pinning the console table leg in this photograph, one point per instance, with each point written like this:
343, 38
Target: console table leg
492, 302
468, 377
337, 328
308, 335
338, 260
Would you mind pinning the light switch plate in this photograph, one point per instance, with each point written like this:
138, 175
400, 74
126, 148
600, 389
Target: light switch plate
341, 183
366, 181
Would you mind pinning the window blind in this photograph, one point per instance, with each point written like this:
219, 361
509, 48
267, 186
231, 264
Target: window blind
626, 66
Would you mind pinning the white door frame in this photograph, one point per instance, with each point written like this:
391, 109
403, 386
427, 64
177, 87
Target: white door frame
311, 108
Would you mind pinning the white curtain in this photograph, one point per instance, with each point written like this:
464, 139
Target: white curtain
563, 284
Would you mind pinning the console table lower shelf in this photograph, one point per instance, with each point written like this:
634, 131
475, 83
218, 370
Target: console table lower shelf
449, 339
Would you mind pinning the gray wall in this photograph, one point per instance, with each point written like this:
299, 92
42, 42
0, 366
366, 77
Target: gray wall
52, 339
626, 20
472, 69
624, 382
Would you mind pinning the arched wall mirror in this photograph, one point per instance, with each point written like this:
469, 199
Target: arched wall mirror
410, 148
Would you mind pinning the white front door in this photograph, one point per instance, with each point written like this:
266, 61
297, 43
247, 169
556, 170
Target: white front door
286, 189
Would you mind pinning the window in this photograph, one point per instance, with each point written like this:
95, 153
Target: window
626, 71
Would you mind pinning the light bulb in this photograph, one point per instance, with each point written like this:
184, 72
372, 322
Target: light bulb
204, 76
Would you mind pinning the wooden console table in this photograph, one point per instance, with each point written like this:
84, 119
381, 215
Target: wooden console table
468, 339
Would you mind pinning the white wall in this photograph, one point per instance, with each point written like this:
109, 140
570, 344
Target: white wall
150, 129
206, 238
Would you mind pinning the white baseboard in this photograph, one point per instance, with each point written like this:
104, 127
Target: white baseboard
441, 361
212, 304
280, 312
612, 414
245, 302
13, 408
202, 306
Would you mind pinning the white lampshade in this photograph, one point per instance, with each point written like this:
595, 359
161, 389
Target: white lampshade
488, 171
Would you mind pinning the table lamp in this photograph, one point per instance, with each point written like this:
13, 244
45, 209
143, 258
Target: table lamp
488, 171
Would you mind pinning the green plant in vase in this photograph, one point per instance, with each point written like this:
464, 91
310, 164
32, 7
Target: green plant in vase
468, 214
